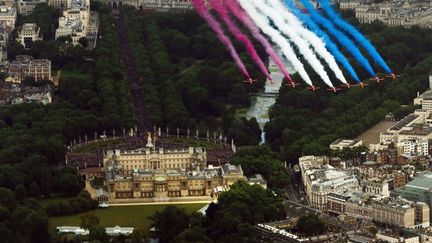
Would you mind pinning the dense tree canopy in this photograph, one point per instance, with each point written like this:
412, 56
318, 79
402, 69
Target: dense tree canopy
92, 96
45, 16
311, 224
261, 160
230, 220
170, 222
189, 80
187, 75
304, 122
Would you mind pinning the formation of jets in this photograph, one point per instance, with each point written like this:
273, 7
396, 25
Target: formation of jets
250, 81
333, 89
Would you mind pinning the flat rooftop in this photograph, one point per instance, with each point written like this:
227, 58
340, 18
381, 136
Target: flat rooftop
417, 130
344, 142
423, 182
402, 123
426, 94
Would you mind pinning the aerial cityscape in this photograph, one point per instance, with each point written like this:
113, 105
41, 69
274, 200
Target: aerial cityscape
215, 121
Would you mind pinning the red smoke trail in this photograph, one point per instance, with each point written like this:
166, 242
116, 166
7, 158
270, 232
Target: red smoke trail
247, 21
223, 13
205, 14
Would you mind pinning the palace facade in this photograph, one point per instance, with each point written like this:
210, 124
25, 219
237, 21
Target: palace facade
161, 174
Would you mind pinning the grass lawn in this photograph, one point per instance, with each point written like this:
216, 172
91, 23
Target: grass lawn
134, 216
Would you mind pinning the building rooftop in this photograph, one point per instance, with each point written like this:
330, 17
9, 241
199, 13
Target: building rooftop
230, 169
117, 230
78, 4
101, 192
344, 142
423, 182
402, 123
355, 238
418, 129
327, 176
7, 11
29, 27
114, 173
72, 229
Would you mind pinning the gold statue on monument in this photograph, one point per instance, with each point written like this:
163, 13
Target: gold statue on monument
149, 140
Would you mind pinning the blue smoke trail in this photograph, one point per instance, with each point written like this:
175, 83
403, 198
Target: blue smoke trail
329, 43
361, 39
340, 37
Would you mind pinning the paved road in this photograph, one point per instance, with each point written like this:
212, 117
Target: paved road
295, 189
131, 73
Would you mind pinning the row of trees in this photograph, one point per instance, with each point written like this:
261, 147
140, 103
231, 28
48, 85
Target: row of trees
21, 220
304, 122
110, 82
187, 76
261, 160
76, 205
92, 96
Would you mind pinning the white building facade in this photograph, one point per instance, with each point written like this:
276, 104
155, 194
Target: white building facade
75, 21
25, 7
320, 179
27, 34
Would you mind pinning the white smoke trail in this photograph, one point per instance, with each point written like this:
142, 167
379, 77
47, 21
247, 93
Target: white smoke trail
316, 42
277, 38
304, 49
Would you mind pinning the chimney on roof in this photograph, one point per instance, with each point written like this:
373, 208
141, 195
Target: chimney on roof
430, 81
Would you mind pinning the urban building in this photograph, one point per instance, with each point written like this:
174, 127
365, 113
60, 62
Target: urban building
397, 239
25, 7
101, 196
376, 186
160, 174
409, 139
11, 94
385, 210
336, 202
340, 144
320, 179
397, 13
8, 17
258, 179
59, 4
27, 34
4, 37
74, 21
418, 190
425, 99
164, 184
397, 179
151, 158
25, 66
414, 146
388, 154
40, 69
350, 4
111, 231
165, 5
414, 125
156, 5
